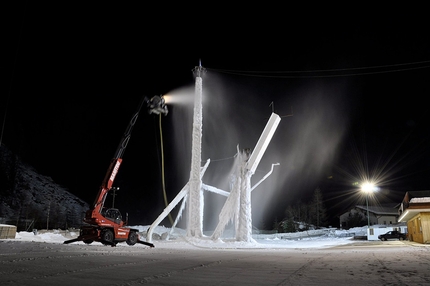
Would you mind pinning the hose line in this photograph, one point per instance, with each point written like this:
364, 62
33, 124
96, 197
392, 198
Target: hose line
162, 170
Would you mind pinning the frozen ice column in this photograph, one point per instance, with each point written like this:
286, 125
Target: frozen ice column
195, 196
244, 227
238, 204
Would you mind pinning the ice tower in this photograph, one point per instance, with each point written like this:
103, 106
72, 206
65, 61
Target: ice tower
195, 196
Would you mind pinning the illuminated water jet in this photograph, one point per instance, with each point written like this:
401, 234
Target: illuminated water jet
181, 96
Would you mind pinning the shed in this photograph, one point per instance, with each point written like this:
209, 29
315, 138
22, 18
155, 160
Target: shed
415, 211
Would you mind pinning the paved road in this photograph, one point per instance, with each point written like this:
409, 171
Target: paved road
361, 263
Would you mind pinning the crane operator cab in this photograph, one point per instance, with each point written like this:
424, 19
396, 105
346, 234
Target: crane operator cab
113, 215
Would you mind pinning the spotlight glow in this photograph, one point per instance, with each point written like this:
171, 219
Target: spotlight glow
183, 95
368, 187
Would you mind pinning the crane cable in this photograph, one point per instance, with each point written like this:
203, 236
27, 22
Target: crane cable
162, 170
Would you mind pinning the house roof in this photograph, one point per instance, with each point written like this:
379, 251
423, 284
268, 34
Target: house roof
418, 194
410, 213
416, 202
381, 210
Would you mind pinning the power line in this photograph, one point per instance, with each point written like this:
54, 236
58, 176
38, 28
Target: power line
370, 70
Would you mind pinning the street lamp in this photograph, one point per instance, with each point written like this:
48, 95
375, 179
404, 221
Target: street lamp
368, 188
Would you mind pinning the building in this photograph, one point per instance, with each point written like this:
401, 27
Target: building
386, 214
415, 211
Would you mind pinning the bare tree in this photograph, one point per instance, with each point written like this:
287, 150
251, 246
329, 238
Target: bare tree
317, 209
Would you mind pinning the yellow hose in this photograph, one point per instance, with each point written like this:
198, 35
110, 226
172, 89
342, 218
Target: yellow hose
162, 170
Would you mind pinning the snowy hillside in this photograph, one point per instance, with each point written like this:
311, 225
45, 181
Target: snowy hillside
30, 200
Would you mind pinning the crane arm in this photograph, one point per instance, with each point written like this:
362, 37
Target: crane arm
154, 105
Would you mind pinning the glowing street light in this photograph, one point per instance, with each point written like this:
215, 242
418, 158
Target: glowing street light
368, 188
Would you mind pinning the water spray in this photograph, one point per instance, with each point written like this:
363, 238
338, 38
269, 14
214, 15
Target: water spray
238, 204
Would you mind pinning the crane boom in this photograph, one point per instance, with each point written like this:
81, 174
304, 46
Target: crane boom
107, 226
155, 105
116, 161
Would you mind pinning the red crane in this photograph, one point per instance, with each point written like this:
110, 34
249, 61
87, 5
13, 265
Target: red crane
106, 225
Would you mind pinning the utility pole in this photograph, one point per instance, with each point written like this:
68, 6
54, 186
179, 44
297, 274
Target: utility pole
47, 218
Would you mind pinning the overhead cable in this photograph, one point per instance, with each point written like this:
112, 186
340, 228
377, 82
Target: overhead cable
343, 72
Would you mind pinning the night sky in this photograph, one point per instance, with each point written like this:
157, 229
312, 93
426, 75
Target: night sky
356, 86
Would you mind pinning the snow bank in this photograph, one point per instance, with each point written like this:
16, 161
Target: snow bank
164, 237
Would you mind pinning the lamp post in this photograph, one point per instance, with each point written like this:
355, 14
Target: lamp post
368, 188
367, 207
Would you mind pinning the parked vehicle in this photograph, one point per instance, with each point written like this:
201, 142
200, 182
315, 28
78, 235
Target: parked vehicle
394, 234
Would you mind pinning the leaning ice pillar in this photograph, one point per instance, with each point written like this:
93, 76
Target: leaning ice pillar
263, 142
195, 197
245, 215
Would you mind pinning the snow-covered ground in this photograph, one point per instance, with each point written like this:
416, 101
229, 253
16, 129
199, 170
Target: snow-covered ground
163, 236
312, 258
